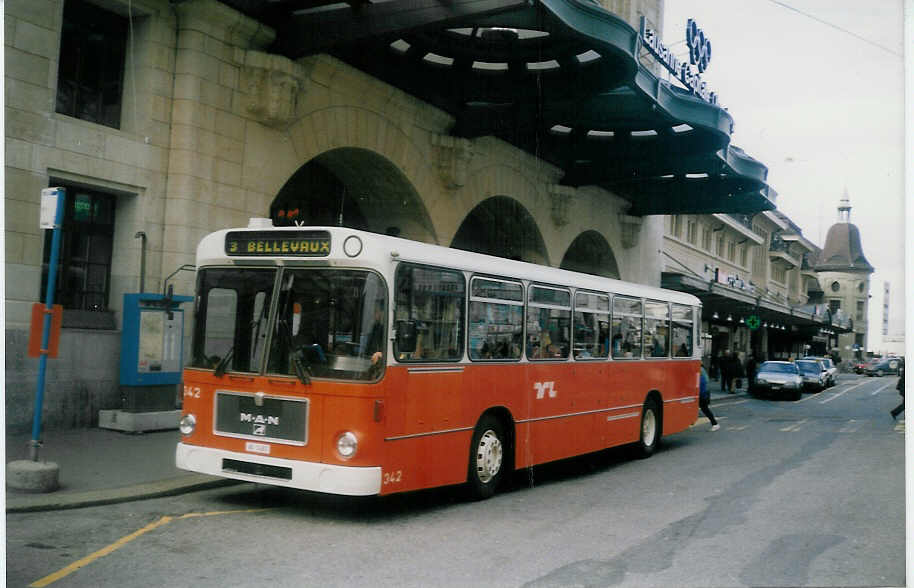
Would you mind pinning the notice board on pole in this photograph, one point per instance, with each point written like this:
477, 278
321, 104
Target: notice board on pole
36, 332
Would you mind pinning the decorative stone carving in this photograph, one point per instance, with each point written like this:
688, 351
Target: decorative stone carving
561, 197
631, 229
273, 86
453, 155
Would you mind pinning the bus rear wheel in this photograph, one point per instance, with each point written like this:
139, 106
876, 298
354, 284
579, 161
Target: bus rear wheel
488, 459
651, 428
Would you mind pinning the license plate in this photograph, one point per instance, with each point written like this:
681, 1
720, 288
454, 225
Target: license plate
282, 420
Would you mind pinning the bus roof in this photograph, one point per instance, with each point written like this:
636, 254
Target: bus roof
383, 251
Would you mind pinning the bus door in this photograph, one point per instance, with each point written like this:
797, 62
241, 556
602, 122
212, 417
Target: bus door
429, 343
560, 419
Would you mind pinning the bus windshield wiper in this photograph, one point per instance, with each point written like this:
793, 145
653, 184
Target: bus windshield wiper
297, 357
223, 363
302, 369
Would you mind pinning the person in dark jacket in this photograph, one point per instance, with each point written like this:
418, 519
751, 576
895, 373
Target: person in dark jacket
726, 372
751, 367
704, 399
900, 387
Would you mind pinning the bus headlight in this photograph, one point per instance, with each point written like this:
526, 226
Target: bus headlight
188, 424
346, 445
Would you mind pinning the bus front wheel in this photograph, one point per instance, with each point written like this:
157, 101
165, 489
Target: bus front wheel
650, 428
487, 457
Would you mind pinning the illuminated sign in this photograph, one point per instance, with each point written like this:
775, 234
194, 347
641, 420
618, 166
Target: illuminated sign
278, 243
699, 55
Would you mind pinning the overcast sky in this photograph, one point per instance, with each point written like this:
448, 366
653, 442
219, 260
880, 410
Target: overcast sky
815, 88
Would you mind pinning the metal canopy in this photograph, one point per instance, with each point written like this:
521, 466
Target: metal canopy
738, 303
557, 78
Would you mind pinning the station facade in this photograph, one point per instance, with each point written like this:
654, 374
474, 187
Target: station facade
542, 131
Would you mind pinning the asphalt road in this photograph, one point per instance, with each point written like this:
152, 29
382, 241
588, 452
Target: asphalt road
785, 494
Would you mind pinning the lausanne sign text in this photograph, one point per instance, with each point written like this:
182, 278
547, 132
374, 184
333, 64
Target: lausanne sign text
699, 54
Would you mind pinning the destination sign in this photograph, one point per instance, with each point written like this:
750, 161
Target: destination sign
278, 243
699, 54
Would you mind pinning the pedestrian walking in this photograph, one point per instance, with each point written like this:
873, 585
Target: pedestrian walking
899, 386
704, 399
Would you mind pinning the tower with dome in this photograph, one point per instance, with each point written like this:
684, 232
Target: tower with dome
844, 274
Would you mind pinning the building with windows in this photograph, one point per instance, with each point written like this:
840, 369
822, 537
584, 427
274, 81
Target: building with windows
893, 327
754, 277
541, 131
844, 274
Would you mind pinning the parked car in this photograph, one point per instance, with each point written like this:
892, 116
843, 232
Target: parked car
781, 378
814, 374
830, 366
886, 365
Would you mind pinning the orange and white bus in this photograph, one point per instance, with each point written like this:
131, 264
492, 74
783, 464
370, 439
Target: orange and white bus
342, 361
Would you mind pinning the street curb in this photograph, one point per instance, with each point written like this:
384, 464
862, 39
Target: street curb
172, 487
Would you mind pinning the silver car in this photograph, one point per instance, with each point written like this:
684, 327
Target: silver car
778, 378
830, 366
814, 374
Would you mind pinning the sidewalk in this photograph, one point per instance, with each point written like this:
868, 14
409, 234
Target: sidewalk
101, 466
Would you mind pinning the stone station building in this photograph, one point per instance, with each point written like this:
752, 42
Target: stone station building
539, 131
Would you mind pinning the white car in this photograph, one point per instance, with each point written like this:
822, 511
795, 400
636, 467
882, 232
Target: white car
778, 378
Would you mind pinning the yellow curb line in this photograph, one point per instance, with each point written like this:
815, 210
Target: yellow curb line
51, 578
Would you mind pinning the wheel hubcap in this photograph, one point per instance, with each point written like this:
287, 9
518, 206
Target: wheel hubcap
489, 454
648, 427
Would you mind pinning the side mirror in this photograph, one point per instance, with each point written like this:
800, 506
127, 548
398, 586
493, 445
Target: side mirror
406, 337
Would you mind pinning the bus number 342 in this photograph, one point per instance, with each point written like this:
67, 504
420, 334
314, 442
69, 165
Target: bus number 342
393, 477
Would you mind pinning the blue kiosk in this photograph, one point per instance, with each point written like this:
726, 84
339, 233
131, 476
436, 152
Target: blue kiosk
152, 355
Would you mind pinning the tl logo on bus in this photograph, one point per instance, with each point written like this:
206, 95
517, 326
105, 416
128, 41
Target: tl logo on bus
543, 388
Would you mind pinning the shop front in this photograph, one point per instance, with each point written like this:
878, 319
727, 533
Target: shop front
737, 321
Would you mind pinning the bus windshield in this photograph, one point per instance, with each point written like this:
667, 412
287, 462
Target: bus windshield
231, 314
329, 323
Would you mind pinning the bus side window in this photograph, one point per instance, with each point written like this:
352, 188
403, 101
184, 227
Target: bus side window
496, 319
591, 326
548, 323
657, 328
682, 330
432, 299
627, 318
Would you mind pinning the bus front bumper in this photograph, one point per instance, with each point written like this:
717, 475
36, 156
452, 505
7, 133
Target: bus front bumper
304, 475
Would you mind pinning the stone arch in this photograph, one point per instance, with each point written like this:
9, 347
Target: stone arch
590, 253
336, 140
503, 227
353, 187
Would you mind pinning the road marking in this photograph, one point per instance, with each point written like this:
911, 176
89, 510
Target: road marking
703, 419
725, 403
852, 426
794, 427
739, 428
878, 390
62, 573
841, 393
